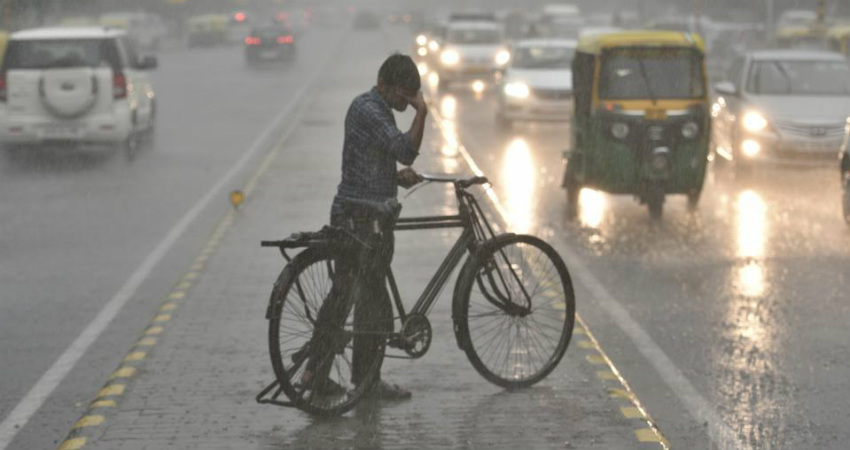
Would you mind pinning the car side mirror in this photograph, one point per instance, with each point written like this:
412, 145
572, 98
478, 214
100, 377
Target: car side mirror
726, 88
147, 62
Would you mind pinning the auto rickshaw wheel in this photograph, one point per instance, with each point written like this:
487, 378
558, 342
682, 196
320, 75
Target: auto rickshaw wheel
655, 201
573, 189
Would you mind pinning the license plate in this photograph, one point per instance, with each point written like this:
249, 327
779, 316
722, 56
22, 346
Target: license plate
61, 132
268, 54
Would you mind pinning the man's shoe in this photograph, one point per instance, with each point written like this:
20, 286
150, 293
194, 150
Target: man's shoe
385, 391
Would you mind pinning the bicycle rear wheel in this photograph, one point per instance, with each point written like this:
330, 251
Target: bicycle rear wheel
304, 286
516, 311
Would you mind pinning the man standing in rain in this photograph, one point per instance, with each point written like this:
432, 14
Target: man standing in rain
372, 148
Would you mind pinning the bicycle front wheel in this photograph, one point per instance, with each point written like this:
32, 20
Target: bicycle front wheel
299, 342
516, 311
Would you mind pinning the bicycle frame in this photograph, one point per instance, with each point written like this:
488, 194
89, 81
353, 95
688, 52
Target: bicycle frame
476, 229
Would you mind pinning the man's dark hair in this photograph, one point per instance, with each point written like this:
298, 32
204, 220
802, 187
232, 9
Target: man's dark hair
400, 70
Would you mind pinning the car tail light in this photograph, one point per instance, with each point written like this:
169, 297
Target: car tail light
3, 88
119, 85
252, 40
284, 39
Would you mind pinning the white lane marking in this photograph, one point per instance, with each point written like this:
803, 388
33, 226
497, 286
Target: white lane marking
699, 408
38, 394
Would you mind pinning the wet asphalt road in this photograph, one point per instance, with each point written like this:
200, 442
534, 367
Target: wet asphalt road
748, 297
75, 224
747, 300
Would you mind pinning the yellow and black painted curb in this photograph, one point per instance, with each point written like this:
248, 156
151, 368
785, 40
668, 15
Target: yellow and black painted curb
617, 388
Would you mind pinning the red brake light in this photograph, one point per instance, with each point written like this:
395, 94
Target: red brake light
119, 85
284, 39
252, 40
240, 17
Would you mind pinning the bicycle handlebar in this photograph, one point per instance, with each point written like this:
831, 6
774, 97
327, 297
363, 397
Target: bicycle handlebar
461, 182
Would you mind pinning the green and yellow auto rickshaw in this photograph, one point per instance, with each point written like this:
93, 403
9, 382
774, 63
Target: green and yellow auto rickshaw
207, 30
641, 122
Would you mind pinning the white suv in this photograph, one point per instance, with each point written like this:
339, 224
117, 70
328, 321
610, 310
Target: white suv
74, 85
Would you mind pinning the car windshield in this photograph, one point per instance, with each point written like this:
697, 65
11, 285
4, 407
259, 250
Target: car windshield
799, 78
473, 36
651, 74
543, 57
50, 53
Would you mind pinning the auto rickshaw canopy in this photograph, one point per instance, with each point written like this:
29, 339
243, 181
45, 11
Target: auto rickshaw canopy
595, 44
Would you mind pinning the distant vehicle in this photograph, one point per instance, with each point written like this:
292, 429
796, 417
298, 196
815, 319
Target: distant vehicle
269, 43
471, 51
366, 20
538, 82
783, 106
472, 17
239, 26
207, 30
845, 173
75, 85
797, 18
584, 32
147, 30
839, 39
561, 10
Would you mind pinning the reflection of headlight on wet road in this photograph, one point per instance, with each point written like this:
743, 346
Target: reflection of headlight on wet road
517, 89
503, 57
754, 122
423, 68
422, 51
478, 86
750, 148
450, 57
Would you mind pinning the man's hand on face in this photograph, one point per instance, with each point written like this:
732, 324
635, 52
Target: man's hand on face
418, 102
408, 178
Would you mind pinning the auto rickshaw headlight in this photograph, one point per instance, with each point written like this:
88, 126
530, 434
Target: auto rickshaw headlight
619, 130
754, 121
690, 130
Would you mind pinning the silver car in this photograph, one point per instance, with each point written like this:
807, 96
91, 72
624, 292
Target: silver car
784, 106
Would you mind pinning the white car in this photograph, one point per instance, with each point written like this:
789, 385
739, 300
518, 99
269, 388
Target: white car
538, 83
471, 51
74, 85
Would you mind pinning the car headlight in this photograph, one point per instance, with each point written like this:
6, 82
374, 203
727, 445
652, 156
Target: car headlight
503, 57
517, 89
450, 57
754, 121
422, 40
433, 46
619, 130
690, 130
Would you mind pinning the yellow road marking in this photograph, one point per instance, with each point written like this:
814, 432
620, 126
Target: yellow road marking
103, 404
112, 389
73, 444
620, 393
168, 307
191, 276
648, 435
579, 330
135, 356
154, 331
606, 375
631, 412
586, 344
146, 342
559, 306
177, 295
89, 421
162, 318
595, 359
197, 267
124, 372
184, 285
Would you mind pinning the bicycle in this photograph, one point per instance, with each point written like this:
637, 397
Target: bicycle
513, 307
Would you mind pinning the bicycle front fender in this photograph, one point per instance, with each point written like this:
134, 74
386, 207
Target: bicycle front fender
466, 273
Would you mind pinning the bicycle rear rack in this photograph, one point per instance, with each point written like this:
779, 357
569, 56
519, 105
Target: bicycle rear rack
273, 399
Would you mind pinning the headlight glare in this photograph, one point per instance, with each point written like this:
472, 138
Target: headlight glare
450, 57
754, 121
421, 39
619, 130
503, 57
433, 46
690, 130
517, 89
